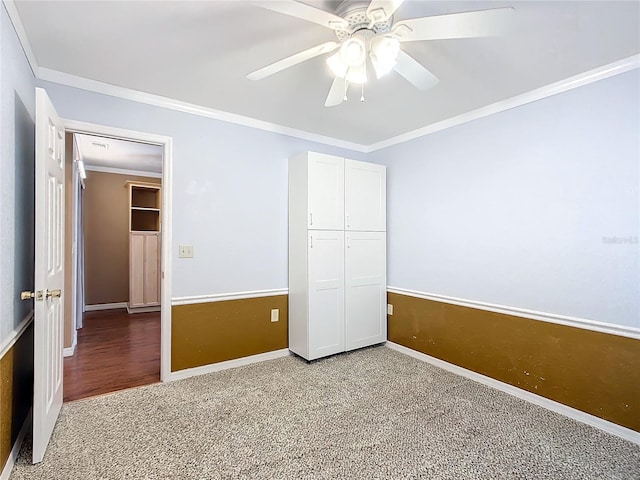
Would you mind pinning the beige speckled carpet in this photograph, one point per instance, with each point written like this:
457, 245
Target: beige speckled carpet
369, 414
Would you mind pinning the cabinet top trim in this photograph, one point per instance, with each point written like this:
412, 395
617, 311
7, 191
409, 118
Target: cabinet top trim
132, 183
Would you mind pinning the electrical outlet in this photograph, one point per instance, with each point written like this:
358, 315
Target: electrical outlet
185, 251
275, 314
389, 309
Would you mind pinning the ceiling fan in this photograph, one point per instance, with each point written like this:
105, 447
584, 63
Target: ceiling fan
367, 33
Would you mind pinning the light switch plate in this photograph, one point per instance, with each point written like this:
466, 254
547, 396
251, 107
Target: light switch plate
275, 314
389, 309
185, 251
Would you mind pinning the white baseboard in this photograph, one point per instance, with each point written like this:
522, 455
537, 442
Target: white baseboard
155, 308
11, 461
573, 413
70, 351
104, 306
236, 362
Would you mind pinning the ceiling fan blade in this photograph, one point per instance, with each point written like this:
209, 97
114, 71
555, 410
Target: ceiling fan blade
483, 23
414, 72
381, 10
292, 60
337, 92
305, 12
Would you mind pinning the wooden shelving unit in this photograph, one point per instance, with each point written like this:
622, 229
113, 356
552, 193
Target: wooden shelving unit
144, 207
145, 214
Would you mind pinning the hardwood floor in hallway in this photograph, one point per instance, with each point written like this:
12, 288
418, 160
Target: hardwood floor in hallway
115, 350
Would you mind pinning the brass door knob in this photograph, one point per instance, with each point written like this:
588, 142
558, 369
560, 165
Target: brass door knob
27, 295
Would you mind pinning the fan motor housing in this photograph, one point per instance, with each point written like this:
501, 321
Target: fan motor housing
355, 12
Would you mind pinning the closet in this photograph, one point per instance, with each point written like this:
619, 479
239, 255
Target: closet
144, 246
337, 254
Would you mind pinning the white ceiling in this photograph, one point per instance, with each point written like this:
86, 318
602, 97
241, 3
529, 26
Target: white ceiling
112, 153
200, 52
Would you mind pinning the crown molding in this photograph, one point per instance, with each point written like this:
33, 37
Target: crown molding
585, 78
121, 171
16, 21
82, 83
54, 76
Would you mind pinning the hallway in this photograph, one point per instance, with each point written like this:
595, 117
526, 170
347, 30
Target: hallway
115, 350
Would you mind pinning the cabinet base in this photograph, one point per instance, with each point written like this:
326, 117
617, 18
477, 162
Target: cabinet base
310, 358
154, 308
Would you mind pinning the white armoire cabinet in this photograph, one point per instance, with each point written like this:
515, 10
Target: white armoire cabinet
337, 255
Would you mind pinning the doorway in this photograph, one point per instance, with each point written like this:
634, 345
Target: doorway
106, 325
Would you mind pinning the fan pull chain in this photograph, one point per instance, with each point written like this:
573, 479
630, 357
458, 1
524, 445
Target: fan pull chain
345, 90
364, 68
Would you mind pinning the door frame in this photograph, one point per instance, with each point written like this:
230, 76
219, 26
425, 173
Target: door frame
75, 126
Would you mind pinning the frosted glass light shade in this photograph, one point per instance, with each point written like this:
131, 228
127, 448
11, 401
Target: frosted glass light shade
353, 51
384, 52
337, 66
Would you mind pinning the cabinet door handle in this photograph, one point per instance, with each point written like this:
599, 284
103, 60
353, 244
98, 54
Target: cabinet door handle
311, 219
348, 222
348, 242
311, 244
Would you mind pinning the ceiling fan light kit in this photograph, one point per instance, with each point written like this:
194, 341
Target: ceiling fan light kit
384, 52
353, 51
368, 32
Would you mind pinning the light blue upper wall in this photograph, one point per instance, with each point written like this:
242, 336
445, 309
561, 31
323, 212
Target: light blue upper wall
17, 129
523, 208
536, 207
229, 190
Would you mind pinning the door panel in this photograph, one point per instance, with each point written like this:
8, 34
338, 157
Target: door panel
48, 274
365, 289
326, 192
136, 269
151, 272
326, 293
365, 196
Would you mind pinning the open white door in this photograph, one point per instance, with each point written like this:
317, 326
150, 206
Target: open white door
49, 273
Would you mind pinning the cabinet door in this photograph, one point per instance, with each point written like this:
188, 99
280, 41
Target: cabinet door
136, 269
366, 289
326, 192
144, 269
151, 269
326, 293
365, 196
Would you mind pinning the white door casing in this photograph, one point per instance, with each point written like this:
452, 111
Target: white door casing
365, 289
49, 273
365, 197
76, 126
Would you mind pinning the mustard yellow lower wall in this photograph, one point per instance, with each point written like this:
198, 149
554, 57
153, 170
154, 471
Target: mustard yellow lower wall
594, 372
213, 332
16, 391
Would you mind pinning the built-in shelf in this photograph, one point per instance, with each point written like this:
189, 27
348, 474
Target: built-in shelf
144, 246
147, 209
144, 206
